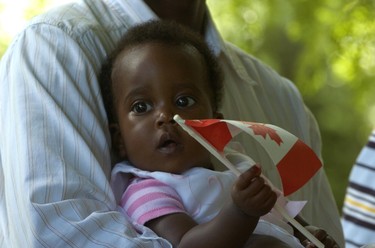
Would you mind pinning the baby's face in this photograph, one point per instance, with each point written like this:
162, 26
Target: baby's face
153, 82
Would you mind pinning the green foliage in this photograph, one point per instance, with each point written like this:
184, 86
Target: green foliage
35, 7
327, 48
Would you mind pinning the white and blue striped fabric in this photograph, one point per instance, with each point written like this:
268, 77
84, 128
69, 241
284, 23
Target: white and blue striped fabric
359, 206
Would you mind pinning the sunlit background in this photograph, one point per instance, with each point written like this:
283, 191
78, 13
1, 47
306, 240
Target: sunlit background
327, 47
15, 13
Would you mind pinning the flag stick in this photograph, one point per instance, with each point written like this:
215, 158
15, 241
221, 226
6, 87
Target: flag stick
237, 172
299, 227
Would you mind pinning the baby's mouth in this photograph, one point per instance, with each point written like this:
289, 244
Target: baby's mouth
168, 144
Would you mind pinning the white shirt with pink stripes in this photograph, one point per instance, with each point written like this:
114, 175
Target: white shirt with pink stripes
199, 192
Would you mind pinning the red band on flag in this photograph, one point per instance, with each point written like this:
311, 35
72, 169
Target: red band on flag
218, 135
297, 167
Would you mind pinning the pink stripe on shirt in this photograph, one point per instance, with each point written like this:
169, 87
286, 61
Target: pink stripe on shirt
147, 199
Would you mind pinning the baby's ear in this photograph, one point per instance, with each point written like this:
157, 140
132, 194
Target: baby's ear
117, 142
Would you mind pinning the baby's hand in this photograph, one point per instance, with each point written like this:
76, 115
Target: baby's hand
252, 195
320, 234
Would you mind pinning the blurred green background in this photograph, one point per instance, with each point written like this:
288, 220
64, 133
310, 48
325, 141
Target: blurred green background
326, 47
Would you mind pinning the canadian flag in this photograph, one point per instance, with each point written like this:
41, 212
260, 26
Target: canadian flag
295, 161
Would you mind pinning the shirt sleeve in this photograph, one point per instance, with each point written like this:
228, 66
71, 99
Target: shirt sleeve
148, 199
55, 156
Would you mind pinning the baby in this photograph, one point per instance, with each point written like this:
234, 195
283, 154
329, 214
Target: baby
168, 183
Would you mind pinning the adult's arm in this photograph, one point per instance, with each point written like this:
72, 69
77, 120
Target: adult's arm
54, 149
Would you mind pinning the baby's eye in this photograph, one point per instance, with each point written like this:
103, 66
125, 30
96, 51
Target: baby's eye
141, 107
185, 101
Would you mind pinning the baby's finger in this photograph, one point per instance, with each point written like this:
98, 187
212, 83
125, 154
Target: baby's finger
320, 234
246, 178
329, 242
265, 197
323, 236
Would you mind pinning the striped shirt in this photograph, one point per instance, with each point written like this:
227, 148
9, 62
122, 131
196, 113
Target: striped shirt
55, 160
359, 205
148, 199
199, 192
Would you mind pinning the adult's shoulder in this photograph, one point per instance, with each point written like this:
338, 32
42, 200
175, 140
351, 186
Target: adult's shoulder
91, 28
79, 18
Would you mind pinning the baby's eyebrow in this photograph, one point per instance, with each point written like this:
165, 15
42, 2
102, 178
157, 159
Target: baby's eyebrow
140, 90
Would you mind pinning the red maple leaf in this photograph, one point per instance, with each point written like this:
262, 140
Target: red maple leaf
263, 130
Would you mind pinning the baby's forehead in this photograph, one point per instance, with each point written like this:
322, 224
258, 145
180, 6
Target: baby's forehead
156, 52
160, 55
180, 63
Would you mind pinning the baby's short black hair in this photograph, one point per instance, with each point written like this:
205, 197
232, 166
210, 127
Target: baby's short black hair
165, 32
